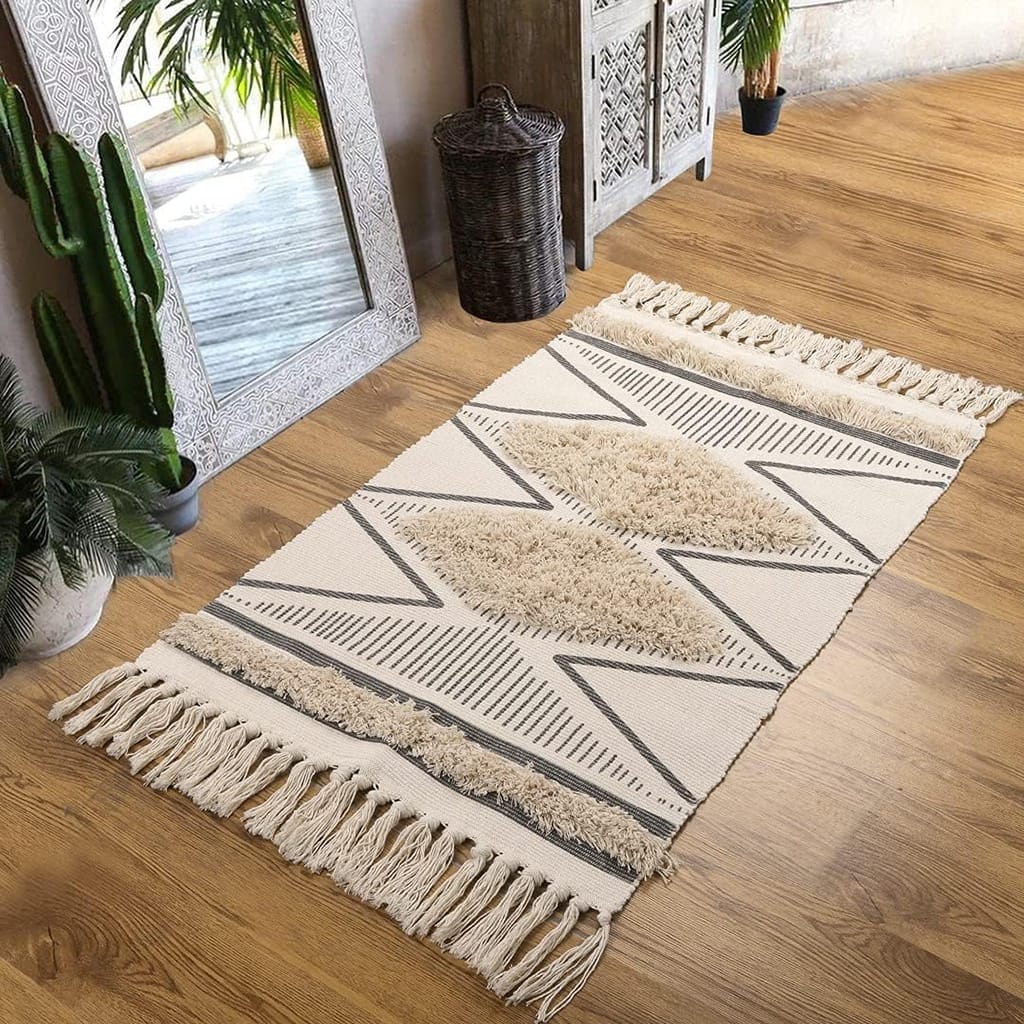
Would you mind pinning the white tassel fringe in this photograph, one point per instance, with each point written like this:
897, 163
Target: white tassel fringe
483, 910
851, 359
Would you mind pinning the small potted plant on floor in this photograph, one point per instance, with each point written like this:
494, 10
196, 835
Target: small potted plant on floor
95, 216
73, 515
752, 32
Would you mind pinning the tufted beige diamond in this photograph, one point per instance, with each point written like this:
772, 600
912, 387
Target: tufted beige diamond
571, 579
649, 484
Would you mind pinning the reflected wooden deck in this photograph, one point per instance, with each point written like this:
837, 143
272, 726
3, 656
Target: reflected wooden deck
262, 254
861, 863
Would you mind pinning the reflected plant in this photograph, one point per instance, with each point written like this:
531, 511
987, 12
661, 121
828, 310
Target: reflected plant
254, 39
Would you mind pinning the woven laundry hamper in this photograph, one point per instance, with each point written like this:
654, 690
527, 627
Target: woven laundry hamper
500, 164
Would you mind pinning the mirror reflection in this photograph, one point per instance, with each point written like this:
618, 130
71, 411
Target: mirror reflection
225, 116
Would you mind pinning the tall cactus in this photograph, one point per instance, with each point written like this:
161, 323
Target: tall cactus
97, 219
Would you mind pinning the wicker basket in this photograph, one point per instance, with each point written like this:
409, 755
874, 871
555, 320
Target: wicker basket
500, 166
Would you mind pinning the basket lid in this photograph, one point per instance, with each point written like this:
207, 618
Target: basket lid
496, 125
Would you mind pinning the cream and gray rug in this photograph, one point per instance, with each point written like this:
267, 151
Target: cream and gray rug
486, 691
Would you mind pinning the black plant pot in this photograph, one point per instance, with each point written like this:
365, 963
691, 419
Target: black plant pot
761, 117
179, 511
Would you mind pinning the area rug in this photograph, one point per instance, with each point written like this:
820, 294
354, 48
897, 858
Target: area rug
486, 692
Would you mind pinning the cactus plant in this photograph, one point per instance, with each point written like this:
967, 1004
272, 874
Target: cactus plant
96, 218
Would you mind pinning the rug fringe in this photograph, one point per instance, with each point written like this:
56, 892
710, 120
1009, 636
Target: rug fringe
483, 908
443, 750
851, 359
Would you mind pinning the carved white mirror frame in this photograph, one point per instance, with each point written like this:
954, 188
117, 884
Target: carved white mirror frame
64, 58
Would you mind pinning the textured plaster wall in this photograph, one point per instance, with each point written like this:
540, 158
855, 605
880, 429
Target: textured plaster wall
831, 45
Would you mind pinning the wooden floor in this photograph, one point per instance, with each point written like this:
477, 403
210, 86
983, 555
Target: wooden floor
864, 860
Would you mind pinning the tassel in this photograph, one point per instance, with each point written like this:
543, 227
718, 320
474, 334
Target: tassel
868, 361
112, 675
123, 715
156, 719
175, 738
233, 770
570, 971
910, 375
926, 384
712, 314
132, 683
422, 921
409, 849
266, 772
350, 868
887, 366
476, 901
352, 827
982, 400
509, 979
299, 836
198, 767
410, 887
481, 937
184, 755
1000, 405
501, 954
266, 818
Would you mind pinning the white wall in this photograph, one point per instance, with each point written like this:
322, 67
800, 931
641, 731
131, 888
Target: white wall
834, 44
418, 69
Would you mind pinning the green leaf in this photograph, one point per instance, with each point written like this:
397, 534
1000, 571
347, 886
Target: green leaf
72, 492
255, 39
143, 547
751, 31
20, 582
70, 370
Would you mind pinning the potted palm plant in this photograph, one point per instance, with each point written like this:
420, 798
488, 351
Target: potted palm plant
752, 32
74, 503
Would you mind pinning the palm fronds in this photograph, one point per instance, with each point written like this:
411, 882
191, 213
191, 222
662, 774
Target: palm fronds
73, 494
752, 32
253, 38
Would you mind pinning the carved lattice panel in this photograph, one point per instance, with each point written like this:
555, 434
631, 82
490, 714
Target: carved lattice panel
682, 73
605, 5
623, 65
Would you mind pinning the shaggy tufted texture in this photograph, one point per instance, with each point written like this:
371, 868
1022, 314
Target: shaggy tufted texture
564, 578
486, 691
658, 485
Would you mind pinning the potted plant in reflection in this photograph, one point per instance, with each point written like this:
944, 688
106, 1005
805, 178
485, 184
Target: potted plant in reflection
73, 515
752, 32
96, 218
259, 42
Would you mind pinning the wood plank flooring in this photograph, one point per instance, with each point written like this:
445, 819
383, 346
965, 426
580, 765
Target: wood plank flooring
863, 861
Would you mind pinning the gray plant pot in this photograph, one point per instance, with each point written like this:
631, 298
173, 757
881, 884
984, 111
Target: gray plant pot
179, 511
64, 616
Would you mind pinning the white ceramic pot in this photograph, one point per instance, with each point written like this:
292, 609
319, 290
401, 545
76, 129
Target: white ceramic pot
65, 616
